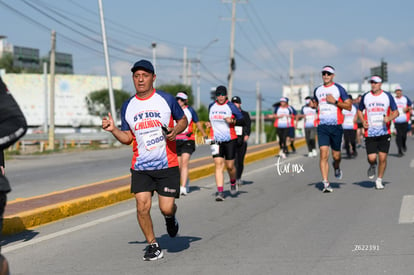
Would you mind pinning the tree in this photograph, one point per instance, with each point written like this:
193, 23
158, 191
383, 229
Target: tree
173, 89
6, 62
202, 113
99, 105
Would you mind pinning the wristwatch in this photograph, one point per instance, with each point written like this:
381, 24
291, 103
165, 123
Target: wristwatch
336, 102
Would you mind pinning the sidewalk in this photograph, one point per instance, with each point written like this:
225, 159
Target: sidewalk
28, 213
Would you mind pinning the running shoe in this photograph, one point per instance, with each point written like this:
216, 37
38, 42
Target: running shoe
378, 184
282, 155
371, 171
183, 190
234, 188
219, 196
338, 171
327, 187
172, 226
153, 252
239, 182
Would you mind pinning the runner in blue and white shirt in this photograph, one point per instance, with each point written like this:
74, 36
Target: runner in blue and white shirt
331, 98
376, 111
401, 123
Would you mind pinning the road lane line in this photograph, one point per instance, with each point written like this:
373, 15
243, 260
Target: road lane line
407, 210
6, 249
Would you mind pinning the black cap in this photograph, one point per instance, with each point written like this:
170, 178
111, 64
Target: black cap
221, 90
236, 99
143, 65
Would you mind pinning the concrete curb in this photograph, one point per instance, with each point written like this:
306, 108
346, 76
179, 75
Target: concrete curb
22, 221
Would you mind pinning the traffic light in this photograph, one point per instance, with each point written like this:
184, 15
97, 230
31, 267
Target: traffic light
384, 71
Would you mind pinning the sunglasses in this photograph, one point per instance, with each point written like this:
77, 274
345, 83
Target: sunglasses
326, 73
221, 94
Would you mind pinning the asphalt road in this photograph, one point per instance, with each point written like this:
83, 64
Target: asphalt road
280, 223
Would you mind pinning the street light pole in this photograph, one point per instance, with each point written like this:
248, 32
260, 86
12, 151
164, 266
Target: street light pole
198, 69
154, 45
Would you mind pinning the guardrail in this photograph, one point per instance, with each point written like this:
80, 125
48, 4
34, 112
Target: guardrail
39, 142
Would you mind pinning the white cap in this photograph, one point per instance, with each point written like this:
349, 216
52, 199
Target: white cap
181, 95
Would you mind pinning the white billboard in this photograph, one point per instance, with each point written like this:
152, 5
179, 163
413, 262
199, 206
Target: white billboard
70, 92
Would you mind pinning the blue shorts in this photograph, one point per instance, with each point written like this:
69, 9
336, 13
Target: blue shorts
330, 135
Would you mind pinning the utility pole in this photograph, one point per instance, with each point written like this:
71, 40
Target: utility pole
46, 99
108, 70
232, 34
154, 58
52, 92
291, 72
185, 66
232, 60
258, 112
198, 69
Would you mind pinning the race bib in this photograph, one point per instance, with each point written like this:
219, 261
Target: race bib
154, 139
310, 118
326, 111
283, 119
239, 130
215, 149
377, 120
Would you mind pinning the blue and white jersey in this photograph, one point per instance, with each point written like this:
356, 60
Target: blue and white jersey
402, 102
221, 131
349, 116
287, 117
376, 108
310, 116
330, 114
144, 118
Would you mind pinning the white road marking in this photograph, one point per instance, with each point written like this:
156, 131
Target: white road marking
412, 163
407, 210
67, 231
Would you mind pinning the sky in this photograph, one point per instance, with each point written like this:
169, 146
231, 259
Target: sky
353, 36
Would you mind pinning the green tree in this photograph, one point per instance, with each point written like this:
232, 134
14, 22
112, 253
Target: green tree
6, 62
173, 89
202, 113
99, 104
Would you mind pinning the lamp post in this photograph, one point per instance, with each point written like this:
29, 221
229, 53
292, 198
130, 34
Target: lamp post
154, 45
198, 69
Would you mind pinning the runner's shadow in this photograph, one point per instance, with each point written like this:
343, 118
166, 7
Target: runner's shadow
247, 182
172, 245
24, 236
194, 188
395, 155
319, 185
368, 184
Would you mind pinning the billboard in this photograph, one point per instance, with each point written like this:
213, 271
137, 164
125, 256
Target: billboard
70, 92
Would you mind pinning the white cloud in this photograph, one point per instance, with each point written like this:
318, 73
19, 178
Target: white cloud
314, 48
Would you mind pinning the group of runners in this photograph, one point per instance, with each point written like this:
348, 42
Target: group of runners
160, 128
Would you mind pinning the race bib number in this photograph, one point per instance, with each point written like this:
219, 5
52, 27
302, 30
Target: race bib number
239, 130
283, 119
154, 140
326, 111
310, 118
215, 149
377, 120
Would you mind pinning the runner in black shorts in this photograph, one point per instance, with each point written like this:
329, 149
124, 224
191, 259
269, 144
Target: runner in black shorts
151, 120
185, 141
227, 150
223, 116
376, 111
